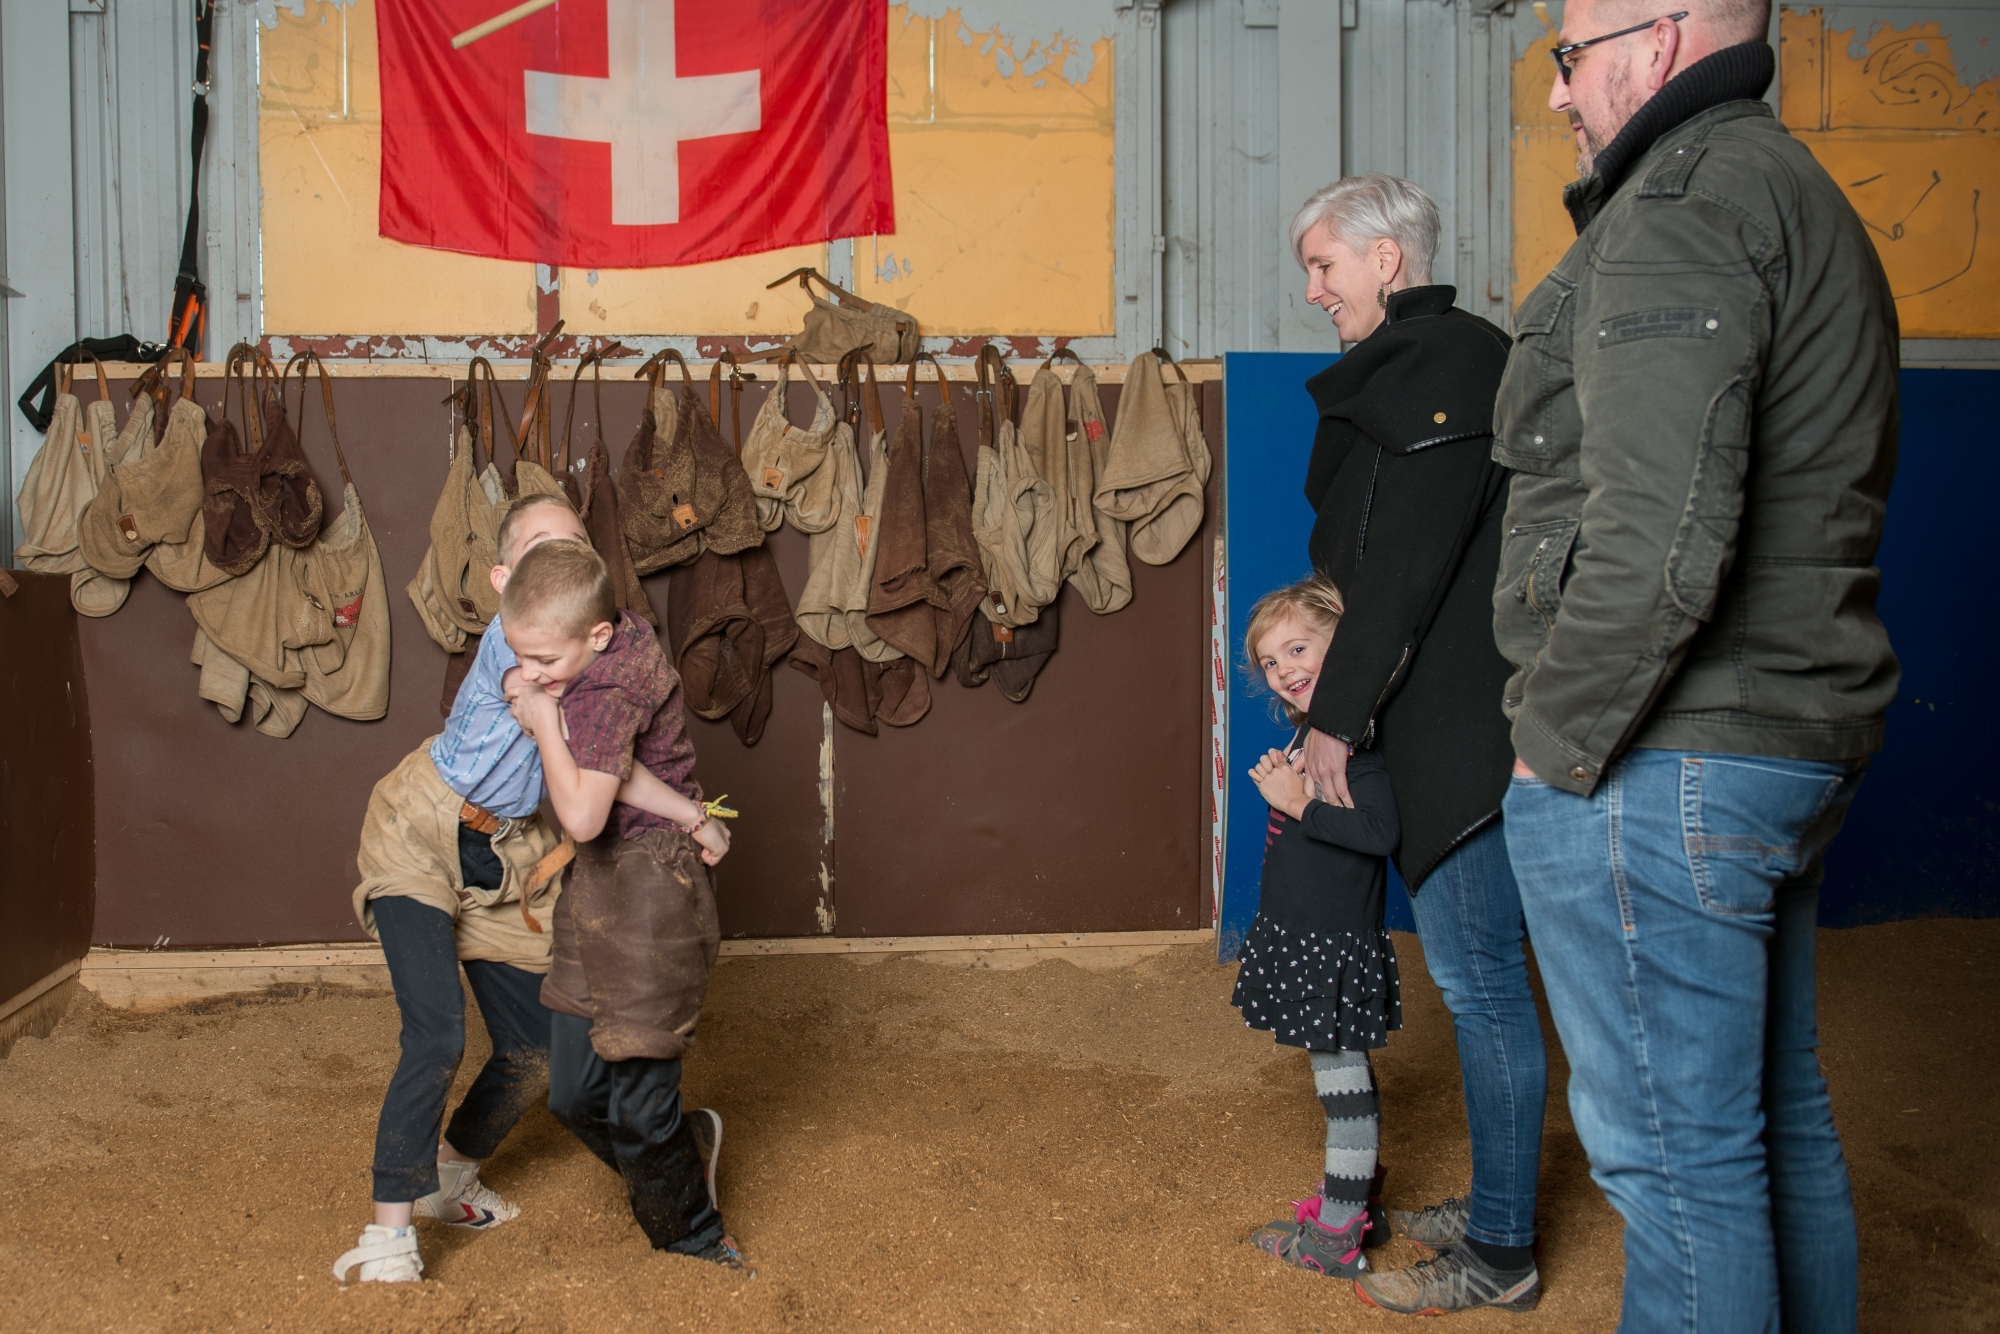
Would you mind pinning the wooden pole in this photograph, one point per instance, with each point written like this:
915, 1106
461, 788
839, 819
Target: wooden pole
497, 22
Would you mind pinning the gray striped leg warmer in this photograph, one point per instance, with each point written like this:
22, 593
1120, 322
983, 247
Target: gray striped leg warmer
1345, 1083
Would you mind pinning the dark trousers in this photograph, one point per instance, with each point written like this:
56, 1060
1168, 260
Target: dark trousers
628, 1113
422, 953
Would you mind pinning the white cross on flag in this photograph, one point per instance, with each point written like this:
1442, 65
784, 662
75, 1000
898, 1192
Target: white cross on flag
634, 133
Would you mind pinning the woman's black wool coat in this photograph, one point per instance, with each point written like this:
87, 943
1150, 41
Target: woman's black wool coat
1410, 503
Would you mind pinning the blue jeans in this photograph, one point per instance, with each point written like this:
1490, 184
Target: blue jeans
1673, 916
422, 952
1469, 917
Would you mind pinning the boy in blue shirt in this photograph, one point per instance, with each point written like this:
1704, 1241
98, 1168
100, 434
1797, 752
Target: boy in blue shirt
458, 867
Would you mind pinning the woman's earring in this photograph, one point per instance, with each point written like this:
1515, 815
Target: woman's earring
1382, 297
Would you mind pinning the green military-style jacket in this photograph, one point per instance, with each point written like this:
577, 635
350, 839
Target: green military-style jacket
1700, 410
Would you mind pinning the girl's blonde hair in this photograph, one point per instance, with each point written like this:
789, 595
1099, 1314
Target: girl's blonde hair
1315, 601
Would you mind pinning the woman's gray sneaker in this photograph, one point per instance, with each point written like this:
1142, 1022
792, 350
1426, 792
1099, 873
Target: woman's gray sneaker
1456, 1280
1435, 1225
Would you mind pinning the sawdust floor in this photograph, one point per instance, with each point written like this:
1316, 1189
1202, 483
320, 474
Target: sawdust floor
912, 1146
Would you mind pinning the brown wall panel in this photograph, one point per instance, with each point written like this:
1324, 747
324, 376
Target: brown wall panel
46, 818
1082, 809
771, 883
211, 834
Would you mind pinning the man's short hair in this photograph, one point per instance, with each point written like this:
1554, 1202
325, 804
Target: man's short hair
560, 585
522, 504
1732, 22
1360, 210
1737, 21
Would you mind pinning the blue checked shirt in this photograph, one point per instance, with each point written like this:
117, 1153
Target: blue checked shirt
483, 755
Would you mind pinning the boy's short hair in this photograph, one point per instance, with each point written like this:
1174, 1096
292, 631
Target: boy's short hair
522, 504
1314, 600
560, 585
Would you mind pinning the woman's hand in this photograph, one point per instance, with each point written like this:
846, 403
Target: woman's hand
1326, 765
1283, 787
714, 840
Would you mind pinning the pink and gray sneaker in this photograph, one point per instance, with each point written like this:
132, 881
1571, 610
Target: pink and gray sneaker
1312, 1245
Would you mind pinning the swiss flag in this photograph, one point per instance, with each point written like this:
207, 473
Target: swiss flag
634, 133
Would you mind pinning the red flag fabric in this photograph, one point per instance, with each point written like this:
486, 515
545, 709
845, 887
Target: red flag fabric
635, 133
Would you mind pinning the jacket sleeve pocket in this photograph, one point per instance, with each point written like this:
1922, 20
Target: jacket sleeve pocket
1705, 540
1533, 561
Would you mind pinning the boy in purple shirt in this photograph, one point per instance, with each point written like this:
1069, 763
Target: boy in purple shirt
636, 931
458, 868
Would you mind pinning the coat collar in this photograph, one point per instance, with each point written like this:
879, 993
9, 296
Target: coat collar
1415, 303
1734, 74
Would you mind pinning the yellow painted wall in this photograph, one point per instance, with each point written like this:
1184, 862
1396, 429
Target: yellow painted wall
1003, 202
1004, 205
325, 269
1544, 162
1917, 154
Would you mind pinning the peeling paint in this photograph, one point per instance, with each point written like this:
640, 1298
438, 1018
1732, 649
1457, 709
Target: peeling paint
267, 10
1032, 35
826, 773
823, 911
449, 348
1974, 34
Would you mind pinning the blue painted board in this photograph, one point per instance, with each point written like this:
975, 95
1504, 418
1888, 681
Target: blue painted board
1923, 839
1269, 422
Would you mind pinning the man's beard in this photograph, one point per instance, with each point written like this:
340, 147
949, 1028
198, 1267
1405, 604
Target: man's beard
1592, 144
1617, 96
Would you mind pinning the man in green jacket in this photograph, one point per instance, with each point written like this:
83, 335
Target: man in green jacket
1700, 409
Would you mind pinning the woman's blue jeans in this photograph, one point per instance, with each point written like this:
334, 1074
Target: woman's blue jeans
1673, 917
1469, 918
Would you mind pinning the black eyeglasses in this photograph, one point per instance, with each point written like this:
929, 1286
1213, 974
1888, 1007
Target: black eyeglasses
1562, 54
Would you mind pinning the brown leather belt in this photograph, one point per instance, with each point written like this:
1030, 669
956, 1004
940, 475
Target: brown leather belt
478, 819
482, 821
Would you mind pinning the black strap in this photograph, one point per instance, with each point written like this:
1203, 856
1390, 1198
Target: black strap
38, 401
189, 320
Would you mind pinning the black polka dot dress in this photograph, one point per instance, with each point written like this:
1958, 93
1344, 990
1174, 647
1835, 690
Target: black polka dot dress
1333, 992
1317, 970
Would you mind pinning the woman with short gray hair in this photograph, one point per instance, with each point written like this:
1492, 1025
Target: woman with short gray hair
1409, 504
1358, 209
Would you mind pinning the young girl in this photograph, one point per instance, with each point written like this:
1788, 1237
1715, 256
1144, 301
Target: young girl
1317, 969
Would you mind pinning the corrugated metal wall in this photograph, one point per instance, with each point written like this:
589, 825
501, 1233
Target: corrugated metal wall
1417, 88
95, 126
1427, 89
131, 65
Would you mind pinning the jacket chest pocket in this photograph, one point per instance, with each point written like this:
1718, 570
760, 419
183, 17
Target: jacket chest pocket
1537, 425
1534, 559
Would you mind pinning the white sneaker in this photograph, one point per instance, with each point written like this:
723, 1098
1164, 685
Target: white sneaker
462, 1202
386, 1255
706, 1123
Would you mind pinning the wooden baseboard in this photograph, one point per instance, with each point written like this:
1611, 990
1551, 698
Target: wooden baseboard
161, 979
